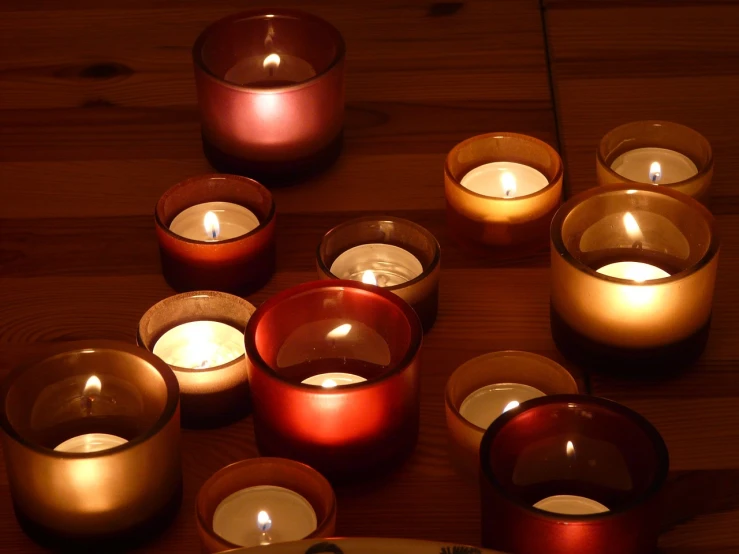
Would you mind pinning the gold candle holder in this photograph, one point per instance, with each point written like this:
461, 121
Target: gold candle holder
633, 273
505, 379
91, 443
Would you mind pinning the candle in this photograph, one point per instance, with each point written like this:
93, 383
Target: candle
90, 442
504, 180
214, 221
379, 264
200, 344
262, 515
571, 505
484, 405
272, 70
633, 271
331, 380
660, 166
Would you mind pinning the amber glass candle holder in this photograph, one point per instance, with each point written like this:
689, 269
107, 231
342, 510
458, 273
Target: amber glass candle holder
569, 473
633, 272
241, 264
58, 411
420, 288
684, 158
509, 369
505, 226
263, 473
360, 345
271, 93
212, 393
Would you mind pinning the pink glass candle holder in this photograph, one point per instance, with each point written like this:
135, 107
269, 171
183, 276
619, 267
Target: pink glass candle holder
334, 374
271, 93
91, 442
216, 232
568, 473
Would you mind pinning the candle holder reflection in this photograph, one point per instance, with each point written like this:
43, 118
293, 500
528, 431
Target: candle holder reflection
633, 273
390, 252
569, 473
91, 443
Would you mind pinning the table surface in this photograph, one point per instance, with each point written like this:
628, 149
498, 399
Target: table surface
98, 117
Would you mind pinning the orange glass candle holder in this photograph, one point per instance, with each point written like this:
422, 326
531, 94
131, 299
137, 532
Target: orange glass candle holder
570, 473
633, 273
91, 443
334, 374
269, 474
419, 288
520, 193
656, 152
241, 264
271, 93
206, 326
508, 370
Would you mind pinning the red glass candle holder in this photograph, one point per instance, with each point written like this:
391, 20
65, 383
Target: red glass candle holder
91, 442
241, 264
271, 93
335, 332
213, 393
263, 472
420, 291
566, 446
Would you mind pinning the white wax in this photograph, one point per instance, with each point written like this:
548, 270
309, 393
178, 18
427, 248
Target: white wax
571, 505
635, 165
483, 406
390, 264
504, 180
291, 516
91, 442
200, 344
275, 69
331, 380
633, 271
232, 220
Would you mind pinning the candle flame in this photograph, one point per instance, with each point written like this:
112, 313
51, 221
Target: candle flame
211, 225
570, 450
508, 182
328, 384
93, 386
264, 523
340, 332
368, 277
655, 172
511, 405
632, 227
271, 62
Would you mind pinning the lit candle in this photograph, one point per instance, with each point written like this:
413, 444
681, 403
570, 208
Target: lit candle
214, 221
262, 515
200, 345
272, 70
660, 166
331, 380
504, 180
571, 505
485, 404
379, 264
633, 271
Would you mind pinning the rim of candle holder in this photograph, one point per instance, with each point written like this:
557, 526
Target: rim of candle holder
558, 220
553, 154
703, 170
263, 222
415, 339
174, 299
324, 489
427, 269
660, 449
78, 347
559, 368
213, 28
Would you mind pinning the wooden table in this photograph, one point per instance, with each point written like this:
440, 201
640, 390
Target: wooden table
98, 118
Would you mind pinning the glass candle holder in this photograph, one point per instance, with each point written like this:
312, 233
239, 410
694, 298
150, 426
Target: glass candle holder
200, 335
486, 387
334, 374
656, 152
277, 496
91, 443
392, 252
271, 93
502, 190
633, 272
216, 232
569, 473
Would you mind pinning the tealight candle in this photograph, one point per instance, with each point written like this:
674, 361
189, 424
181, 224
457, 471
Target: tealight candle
214, 221
330, 380
504, 180
90, 442
570, 504
384, 265
659, 166
484, 405
200, 344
